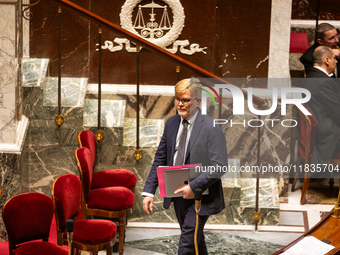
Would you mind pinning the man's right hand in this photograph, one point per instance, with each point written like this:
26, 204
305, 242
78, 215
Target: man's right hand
336, 53
146, 202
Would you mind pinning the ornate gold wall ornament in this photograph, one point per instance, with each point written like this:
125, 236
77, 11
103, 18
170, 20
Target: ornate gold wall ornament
59, 120
26, 14
162, 34
256, 217
99, 135
138, 154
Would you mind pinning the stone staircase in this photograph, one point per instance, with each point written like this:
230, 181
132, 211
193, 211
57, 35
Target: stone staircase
51, 148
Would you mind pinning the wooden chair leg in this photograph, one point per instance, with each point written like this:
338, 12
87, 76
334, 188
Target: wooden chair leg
304, 189
121, 224
296, 176
109, 249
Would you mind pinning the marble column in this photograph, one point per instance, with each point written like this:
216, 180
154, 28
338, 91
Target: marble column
12, 130
8, 71
279, 43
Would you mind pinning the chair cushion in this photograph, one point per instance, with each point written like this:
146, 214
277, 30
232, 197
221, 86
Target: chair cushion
114, 177
87, 139
40, 248
93, 232
111, 198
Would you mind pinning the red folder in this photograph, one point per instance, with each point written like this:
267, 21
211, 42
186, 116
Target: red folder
160, 174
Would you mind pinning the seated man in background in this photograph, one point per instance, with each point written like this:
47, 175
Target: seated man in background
324, 104
326, 35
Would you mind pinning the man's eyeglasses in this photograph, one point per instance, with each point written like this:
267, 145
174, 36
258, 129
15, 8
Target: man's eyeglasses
184, 101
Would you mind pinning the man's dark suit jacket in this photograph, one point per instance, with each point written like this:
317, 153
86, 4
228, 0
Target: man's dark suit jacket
307, 59
207, 146
325, 107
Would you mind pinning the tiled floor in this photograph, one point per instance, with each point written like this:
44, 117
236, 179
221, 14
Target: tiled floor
295, 219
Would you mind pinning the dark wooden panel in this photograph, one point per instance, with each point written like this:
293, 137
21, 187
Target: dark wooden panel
242, 39
44, 38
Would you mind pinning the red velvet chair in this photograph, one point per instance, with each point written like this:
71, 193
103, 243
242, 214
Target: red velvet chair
28, 217
298, 42
89, 235
108, 202
307, 132
105, 178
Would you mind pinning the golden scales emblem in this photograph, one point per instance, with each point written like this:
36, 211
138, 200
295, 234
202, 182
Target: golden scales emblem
157, 28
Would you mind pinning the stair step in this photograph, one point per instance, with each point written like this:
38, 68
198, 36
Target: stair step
268, 193
72, 91
34, 71
72, 115
112, 113
150, 132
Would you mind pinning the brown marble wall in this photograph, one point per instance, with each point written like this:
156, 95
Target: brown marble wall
242, 38
231, 30
306, 9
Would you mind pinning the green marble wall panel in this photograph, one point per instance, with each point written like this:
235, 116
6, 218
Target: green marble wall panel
10, 183
72, 91
150, 132
109, 149
14, 179
112, 113
32, 96
268, 193
34, 72
47, 163
44, 131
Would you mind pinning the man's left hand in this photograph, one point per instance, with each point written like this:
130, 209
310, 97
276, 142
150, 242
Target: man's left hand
187, 192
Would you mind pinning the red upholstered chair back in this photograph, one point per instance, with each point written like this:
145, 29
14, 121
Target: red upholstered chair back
87, 139
28, 217
298, 42
307, 132
85, 165
66, 194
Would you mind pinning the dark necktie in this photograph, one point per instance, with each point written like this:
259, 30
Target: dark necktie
182, 141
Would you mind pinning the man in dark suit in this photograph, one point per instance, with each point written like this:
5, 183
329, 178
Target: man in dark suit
204, 144
324, 104
325, 35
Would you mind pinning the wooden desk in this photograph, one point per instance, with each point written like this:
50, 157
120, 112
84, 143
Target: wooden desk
328, 228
